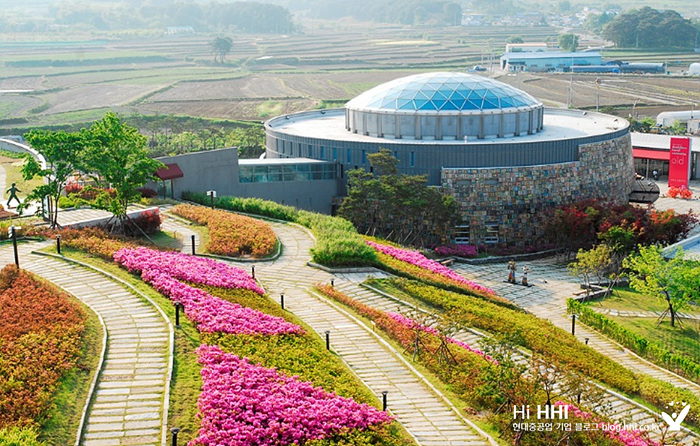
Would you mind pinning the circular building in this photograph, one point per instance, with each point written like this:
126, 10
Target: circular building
505, 157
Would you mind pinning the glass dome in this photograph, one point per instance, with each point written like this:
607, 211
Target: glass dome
450, 92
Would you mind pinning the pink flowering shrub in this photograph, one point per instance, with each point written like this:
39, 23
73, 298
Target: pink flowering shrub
614, 431
242, 404
213, 314
410, 323
164, 270
418, 259
200, 270
467, 251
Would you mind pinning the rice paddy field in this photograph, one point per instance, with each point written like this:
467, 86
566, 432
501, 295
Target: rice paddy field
73, 80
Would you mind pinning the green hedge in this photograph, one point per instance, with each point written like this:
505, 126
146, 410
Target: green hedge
643, 347
337, 241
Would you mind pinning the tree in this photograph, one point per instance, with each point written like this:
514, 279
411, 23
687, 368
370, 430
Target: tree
594, 262
221, 47
61, 150
515, 39
676, 281
399, 207
116, 154
650, 28
568, 42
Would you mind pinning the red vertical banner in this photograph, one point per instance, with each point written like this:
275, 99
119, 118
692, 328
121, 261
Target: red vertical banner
679, 163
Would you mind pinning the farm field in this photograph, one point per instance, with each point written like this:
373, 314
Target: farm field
53, 82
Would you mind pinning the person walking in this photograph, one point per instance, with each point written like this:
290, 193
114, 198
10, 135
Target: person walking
13, 195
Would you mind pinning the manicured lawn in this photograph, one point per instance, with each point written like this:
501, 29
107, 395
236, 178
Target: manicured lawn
626, 299
684, 339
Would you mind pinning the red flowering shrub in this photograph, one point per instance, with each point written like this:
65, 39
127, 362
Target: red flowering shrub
147, 192
95, 241
40, 337
231, 234
682, 192
148, 222
73, 188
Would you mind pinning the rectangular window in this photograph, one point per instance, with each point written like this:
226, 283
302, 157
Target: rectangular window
413, 159
323, 153
462, 234
311, 151
349, 156
364, 157
335, 154
491, 236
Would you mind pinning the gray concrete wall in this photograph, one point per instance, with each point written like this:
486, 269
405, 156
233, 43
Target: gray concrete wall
219, 170
203, 171
310, 195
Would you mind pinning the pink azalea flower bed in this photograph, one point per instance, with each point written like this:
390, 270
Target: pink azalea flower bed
614, 431
418, 259
242, 404
185, 267
410, 323
210, 313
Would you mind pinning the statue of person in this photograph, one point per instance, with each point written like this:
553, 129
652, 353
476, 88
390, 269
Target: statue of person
13, 194
525, 271
511, 274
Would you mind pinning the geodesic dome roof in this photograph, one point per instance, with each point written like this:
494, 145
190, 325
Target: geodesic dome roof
442, 92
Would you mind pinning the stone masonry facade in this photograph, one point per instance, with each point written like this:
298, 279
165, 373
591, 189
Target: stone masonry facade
509, 205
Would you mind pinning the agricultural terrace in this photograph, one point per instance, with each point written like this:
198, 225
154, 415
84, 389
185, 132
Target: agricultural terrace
70, 83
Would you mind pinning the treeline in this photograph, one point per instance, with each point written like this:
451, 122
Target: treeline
250, 17
407, 12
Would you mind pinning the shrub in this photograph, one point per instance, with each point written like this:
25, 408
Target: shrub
466, 251
237, 396
147, 192
40, 339
231, 234
337, 241
16, 436
72, 188
94, 241
147, 222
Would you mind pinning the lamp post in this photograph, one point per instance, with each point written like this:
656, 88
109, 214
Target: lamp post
58, 243
175, 431
384, 394
212, 195
328, 339
573, 324
13, 234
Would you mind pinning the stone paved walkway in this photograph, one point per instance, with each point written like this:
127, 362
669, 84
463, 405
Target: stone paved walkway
417, 407
547, 299
128, 404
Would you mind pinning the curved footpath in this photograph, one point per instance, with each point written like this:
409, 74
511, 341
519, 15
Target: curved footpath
424, 414
129, 403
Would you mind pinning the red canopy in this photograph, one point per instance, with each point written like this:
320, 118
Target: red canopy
172, 171
663, 155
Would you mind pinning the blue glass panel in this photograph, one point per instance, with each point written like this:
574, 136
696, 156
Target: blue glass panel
507, 102
479, 93
439, 96
421, 95
488, 105
518, 102
472, 105
428, 105
457, 95
404, 104
439, 103
459, 103
418, 103
449, 105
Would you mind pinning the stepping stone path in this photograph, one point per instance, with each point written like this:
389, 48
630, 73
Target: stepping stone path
129, 403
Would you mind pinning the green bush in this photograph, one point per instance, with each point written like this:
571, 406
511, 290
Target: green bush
337, 241
15, 436
643, 347
661, 393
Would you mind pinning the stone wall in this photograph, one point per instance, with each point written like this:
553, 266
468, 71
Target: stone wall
510, 203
